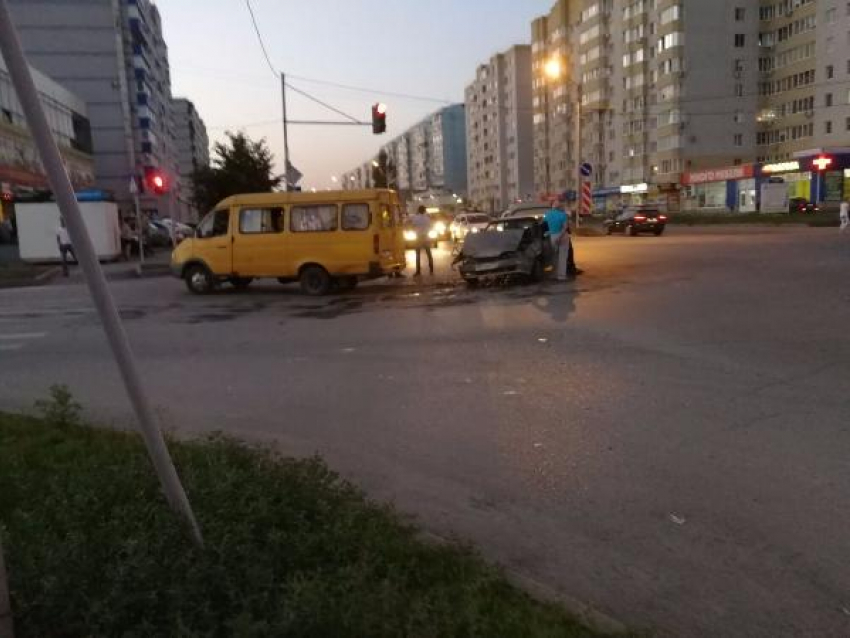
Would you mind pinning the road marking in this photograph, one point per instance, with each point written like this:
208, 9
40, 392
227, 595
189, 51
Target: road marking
10, 346
22, 335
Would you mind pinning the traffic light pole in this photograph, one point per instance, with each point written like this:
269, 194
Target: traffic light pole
285, 133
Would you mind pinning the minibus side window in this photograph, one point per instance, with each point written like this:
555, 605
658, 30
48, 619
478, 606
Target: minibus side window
356, 217
321, 218
260, 220
214, 225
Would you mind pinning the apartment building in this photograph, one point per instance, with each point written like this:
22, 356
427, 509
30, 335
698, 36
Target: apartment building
193, 152
21, 170
429, 157
111, 53
500, 152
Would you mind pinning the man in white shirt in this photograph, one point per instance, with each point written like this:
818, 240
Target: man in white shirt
844, 215
65, 247
422, 225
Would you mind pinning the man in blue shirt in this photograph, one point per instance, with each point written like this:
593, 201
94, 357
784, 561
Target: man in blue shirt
558, 223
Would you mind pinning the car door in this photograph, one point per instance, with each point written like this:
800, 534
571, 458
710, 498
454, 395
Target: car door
259, 240
213, 242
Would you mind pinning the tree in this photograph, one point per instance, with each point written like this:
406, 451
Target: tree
384, 174
240, 165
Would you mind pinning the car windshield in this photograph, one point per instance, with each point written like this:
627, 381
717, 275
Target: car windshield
478, 219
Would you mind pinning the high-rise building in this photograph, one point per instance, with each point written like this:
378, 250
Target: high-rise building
499, 131
21, 170
112, 54
193, 152
429, 157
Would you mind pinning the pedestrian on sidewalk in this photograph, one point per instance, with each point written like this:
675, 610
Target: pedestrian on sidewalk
422, 226
127, 240
65, 247
844, 215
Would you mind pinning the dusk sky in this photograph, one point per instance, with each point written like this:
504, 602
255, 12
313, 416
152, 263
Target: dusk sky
428, 49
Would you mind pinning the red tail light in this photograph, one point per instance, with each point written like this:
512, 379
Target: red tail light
640, 218
663, 218
376, 243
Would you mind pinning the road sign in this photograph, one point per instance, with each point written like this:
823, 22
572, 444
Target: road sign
586, 169
293, 175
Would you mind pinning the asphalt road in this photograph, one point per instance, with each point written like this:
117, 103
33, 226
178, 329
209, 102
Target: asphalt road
667, 439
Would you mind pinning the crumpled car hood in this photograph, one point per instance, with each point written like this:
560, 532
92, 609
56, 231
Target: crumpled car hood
491, 243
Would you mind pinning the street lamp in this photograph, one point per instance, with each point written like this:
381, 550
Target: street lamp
552, 68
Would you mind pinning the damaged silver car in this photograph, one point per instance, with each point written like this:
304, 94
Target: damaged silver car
510, 247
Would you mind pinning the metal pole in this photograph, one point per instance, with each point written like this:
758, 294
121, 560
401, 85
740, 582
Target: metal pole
578, 155
6, 628
285, 132
139, 230
108, 312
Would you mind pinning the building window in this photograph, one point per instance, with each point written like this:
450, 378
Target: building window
740, 40
847, 124
830, 72
828, 99
739, 90
740, 14
827, 127
738, 139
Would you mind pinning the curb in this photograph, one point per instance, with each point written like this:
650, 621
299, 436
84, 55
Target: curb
592, 618
152, 270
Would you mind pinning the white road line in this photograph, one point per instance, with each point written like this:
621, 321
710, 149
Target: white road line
22, 336
10, 346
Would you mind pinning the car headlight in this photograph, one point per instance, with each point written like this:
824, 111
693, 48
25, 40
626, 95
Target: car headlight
410, 235
440, 227
474, 230
433, 234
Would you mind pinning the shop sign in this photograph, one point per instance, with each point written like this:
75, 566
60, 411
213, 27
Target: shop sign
781, 167
744, 171
629, 189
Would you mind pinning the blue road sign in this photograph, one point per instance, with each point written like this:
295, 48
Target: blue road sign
586, 169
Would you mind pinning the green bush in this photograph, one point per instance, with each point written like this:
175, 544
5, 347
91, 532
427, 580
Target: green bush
291, 550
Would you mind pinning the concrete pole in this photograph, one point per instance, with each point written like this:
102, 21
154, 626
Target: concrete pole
63, 191
579, 178
6, 628
289, 187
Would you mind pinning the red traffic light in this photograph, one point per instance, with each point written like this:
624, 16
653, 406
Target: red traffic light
379, 118
156, 181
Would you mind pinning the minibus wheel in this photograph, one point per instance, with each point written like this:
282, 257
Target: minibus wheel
315, 281
199, 279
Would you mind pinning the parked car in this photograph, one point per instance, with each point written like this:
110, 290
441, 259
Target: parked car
441, 223
505, 248
527, 210
467, 223
802, 205
636, 221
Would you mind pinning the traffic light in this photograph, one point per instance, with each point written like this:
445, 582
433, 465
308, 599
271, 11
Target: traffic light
379, 118
156, 181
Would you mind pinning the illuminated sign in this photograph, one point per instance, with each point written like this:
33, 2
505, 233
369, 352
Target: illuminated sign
822, 163
781, 167
432, 210
743, 171
634, 188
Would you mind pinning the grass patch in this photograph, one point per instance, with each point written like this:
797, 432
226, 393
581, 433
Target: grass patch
822, 219
291, 550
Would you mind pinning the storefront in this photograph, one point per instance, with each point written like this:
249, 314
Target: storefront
791, 173
732, 189
606, 200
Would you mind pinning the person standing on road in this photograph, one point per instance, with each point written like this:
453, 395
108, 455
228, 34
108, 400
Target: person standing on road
422, 225
65, 248
844, 215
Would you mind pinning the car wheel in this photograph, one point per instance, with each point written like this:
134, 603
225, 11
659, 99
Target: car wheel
241, 283
659, 232
633, 231
537, 271
315, 281
199, 279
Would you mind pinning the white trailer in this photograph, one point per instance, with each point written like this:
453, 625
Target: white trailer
774, 197
37, 224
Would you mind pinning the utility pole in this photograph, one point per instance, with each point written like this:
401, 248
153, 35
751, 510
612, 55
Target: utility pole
285, 132
57, 176
578, 150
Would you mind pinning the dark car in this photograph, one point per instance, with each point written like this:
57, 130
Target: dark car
506, 248
802, 205
636, 221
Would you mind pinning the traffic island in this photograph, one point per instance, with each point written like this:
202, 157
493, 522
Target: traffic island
92, 548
